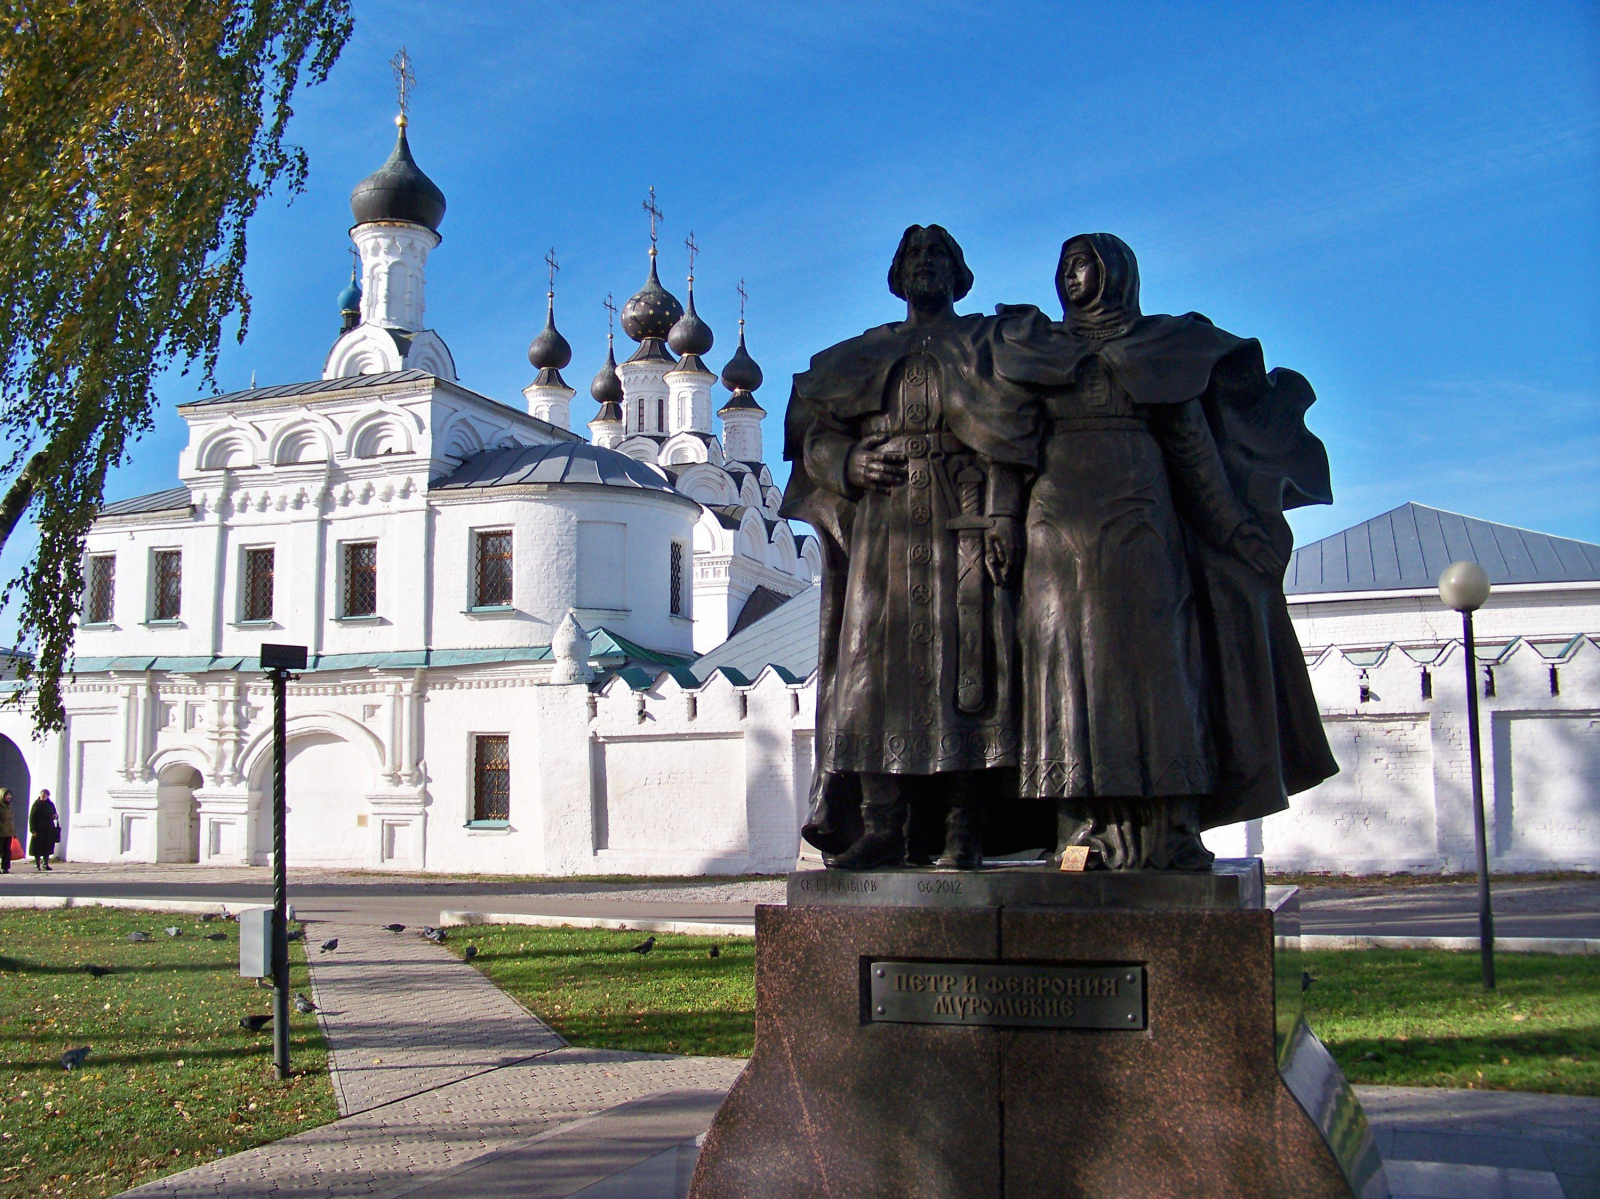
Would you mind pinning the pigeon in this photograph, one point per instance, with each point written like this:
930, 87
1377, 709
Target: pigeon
255, 1023
714, 952
207, 917
436, 935
470, 952
644, 946
330, 945
173, 931
96, 971
136, 935
216, 936
303, 1005
1306, 980
72, 1059
395, 928
295, 934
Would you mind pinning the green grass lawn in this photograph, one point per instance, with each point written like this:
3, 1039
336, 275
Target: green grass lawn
586, 985
1421, 1018
172, 1080
1394, 1018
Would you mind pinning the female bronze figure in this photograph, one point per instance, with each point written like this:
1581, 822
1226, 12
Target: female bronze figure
1163, 690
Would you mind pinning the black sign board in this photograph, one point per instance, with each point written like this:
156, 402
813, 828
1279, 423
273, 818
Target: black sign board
1001, 995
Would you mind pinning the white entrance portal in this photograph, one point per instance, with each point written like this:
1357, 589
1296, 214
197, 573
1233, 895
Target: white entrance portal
177, 814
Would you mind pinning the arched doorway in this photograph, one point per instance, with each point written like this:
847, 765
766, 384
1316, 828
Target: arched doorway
326, 785
177, 814
14, 775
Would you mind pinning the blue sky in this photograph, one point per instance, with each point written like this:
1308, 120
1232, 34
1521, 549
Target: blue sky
1399, 200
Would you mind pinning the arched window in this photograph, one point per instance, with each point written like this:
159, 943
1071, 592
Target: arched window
641, 416
661, 414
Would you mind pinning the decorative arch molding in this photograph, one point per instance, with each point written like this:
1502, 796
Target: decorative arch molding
708, 484
304, 440
192, 756
382, 432
232, 447
461, 439
750, 492
753, 537
684, 450
259, 750
783, 549
365, 350
642, 449
429, 353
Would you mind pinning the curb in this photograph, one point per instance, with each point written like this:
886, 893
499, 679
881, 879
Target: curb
216, 907
1567, 946
693, 928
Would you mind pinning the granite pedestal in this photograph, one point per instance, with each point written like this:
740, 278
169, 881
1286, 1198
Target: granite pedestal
1026, 1032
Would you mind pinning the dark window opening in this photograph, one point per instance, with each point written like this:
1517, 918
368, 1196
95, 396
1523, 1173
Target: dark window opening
258, 578
494, 570
1555, 681
361, 578
102, 587
1488, 682
677, 578
168, 584
491, 777
641, 416
661, 415
1427, 684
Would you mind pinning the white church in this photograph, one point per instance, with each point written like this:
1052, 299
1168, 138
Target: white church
536, 653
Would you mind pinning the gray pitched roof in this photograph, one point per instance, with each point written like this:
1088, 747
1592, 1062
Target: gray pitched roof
562, 462
1409, 548
314, 387
786, 637
172, 499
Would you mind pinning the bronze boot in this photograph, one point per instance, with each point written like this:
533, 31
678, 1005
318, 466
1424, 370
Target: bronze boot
963, 836
883, 844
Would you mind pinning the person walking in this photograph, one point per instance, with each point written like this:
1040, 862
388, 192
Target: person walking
44, 830
8, 829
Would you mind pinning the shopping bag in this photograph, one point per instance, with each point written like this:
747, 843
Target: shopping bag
16, 850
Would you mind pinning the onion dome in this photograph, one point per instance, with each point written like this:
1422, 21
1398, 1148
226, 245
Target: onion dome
690, 335
398, 191
550, 351
741, 373
350, 303
607, 387
652, 311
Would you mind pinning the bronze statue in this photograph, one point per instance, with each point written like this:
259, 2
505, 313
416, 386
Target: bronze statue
911, 462
1164, 691
1144, 676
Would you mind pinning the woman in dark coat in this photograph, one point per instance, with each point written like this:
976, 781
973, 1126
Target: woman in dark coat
44, 831
1163, 690
8, 829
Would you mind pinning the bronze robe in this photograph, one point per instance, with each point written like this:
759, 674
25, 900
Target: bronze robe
898, 692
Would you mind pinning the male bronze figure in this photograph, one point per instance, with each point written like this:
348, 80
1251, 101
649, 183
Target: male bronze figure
911, 461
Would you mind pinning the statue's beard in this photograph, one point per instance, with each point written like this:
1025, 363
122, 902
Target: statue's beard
927, 292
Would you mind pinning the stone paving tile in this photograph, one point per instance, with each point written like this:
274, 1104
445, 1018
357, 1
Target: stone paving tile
403, 1016
386, 1151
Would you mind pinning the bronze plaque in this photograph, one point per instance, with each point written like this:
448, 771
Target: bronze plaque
1000, 995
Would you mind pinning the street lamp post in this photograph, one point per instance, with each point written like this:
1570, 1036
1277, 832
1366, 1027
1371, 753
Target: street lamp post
280, 661
1464, 586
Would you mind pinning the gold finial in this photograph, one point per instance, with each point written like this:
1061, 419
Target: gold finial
655, 215
404, 83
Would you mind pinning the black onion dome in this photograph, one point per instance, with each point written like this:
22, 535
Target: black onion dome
741, 373
607, 387
652, 311
691, 335
398, 191
550, 350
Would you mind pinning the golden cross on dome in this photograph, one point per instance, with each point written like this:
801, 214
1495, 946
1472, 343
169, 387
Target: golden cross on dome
611, 314
404, 80
655, 215
550, 261
743, 297
694, 248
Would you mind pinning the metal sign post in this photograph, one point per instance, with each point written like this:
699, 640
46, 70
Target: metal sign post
279, 661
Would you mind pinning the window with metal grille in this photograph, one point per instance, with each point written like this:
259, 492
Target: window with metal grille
258, 578
491, 777
102, 587
361, 578
168, 584
641, 416
494, 570
677, 578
